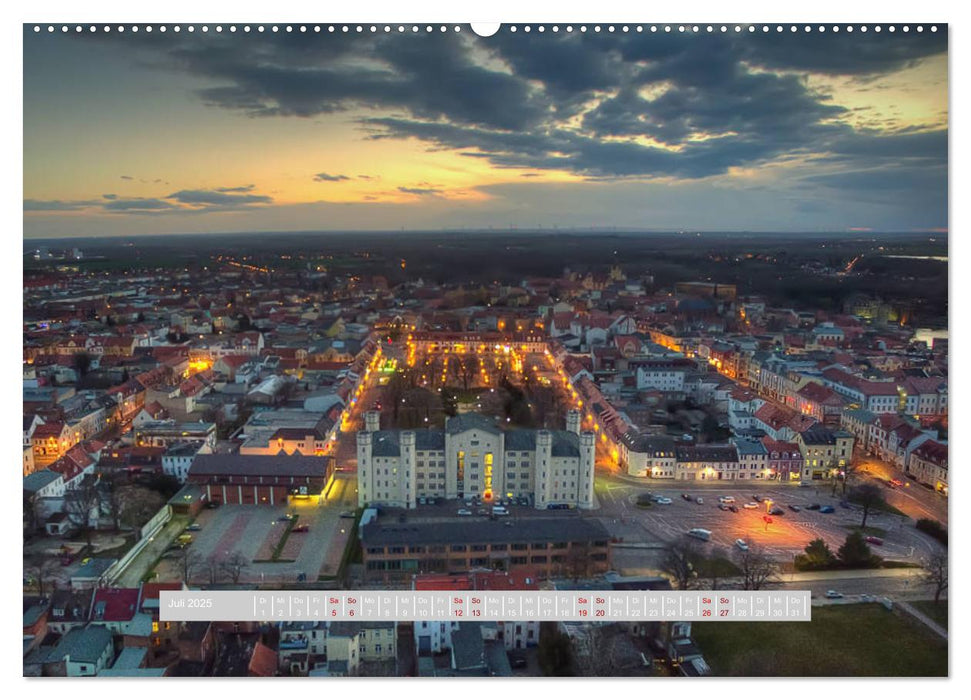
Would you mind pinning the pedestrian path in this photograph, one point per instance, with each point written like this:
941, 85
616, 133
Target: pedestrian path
917, 614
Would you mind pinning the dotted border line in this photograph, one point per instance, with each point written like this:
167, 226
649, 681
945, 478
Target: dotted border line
513, 28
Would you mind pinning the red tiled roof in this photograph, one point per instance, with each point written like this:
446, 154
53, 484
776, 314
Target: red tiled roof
114, 604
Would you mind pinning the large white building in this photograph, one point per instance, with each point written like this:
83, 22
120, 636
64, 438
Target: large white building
474, 457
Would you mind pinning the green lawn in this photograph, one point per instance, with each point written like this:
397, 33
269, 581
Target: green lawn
841, 640
937, 612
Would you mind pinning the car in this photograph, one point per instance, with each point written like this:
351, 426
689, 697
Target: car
741, 544
722, 506
750, 506
347, 514
814, 506
757, 498
300, 528
468, 504
663, 501
194, 527
301, 576
700, 533
827, 509
285, 517
726, 499
422, 501
874, 540
518, 662
464, 511
896, 482
700, 501
794, 508
482, 511
776, 510
685, 496
833, 594
733, 508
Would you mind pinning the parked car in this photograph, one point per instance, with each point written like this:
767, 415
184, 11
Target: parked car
464, 511
700, 501
896, 482
301, 528
750, 506
757, 498
873, 540
733, 508
741, 544
814, 506
347, 514
663, 501
285, 517
827, 509
776, 510
722, 506
685, 496
833, 594
794, 509
726, 499
194, 527
422, 501
518, 662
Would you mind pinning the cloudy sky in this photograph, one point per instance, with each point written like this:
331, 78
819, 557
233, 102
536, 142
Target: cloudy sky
168, 133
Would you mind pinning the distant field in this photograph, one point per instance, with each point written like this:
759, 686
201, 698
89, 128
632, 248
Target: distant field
841, 640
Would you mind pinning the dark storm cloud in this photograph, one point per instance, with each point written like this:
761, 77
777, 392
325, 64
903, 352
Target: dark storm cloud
241, 188
651, 105
326, 177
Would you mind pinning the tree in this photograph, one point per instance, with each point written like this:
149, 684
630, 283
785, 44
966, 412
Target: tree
82, 363
189, 562
854, 553
41, 567
869, 496
576, 563
555, 651
234, 565
935, 573
139, 505
716, 567
757, 569
817, 556
679, 563
450, 402
80, 503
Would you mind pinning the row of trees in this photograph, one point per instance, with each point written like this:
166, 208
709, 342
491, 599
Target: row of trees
686, 566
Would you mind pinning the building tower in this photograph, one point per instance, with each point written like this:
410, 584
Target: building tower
365, 485
588, 458
372, 421
544, 468
407, 470
573, 421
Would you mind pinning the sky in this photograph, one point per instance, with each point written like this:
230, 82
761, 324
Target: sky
152, 133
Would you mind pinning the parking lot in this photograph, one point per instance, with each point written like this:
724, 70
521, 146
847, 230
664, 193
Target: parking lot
782, 538
254, 531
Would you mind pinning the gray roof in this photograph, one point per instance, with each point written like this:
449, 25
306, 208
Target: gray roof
129, 658
84, 645
468, 648
818, 436
552, 529
565, 444
746, 446
471, 421
37, 480
707, 453
259, 465
653, 445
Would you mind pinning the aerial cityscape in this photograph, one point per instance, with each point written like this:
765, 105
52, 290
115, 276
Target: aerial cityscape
557, 312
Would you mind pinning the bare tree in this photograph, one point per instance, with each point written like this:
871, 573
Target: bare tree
758, 570
869, 496
600, 653
189, 561
679, 563
139, 504
41, 567
576, 562
80, 503
234, 565
935, 573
